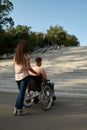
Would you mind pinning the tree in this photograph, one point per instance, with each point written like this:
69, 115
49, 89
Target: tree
71, 40
14, 34
19, 32
5, 7
61, 38
56, 34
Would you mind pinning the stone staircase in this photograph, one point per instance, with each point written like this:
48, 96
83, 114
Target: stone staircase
67, 68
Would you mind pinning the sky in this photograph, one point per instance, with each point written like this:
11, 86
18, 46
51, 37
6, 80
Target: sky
41, 14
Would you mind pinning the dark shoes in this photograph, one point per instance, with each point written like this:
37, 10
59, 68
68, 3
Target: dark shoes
54, 97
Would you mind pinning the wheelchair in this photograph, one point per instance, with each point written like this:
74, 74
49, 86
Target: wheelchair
39, 92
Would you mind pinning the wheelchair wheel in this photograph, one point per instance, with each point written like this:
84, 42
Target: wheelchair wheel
27, 100
46, 98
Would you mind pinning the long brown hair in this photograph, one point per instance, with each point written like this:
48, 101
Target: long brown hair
22, 48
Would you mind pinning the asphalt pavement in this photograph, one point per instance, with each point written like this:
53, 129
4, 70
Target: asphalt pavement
65, 114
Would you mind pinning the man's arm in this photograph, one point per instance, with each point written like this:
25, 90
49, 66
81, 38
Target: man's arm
44, 75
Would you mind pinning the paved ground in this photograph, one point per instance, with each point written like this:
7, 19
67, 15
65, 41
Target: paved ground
66, 114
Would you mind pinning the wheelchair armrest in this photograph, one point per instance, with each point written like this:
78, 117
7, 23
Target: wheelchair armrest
47, 81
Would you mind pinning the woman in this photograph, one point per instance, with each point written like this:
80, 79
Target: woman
22, 67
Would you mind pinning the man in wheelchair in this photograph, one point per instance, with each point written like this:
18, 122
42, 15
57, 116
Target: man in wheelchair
36, 81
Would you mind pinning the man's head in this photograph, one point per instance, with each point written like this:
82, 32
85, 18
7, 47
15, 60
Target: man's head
38, 61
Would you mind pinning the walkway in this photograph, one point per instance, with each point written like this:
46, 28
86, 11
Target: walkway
66, 114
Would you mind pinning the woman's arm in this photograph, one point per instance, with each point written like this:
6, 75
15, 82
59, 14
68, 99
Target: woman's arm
29, 66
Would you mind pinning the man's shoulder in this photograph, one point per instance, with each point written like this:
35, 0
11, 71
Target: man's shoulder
38, 68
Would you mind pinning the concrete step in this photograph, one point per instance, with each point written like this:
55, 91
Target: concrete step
66, 67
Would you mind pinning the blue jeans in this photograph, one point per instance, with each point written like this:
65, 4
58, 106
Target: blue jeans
22, 84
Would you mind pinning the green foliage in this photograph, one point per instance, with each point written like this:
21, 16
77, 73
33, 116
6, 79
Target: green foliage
58, 35
5, 7
55, 35
71, 40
